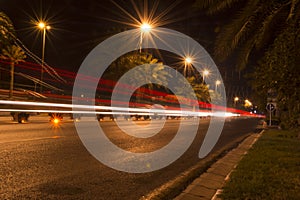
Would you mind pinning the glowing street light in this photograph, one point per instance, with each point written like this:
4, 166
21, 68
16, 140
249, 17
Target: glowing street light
43, 26
236, 99
205, 73
187, 61
218, 82
248, 103
145, 28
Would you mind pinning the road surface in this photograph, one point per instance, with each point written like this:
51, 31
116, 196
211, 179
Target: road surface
42, 161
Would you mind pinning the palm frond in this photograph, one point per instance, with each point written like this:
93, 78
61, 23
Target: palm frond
294, 4
6, 28
275, 13
267, 22
13, 53
244, 53
221, 5
203, 3
254, 22
236, 32
215, 6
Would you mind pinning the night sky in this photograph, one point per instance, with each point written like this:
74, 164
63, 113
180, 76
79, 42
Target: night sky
77, 26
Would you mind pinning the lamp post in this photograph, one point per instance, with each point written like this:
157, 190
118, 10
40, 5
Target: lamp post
205, 73
187, 61
44, 27
218, 82
145, 28
236, 99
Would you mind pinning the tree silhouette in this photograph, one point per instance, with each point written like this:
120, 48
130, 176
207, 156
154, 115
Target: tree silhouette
14, 54
6, 30
256, 24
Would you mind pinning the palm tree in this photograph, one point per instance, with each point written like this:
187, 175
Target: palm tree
201, 91
256, 25
14, 54
153, 71
127, 62
6, 30
274, 25
123, 64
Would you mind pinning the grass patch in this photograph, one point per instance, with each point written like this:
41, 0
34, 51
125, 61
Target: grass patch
270, 170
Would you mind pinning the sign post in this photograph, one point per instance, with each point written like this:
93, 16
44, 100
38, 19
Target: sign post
270, 107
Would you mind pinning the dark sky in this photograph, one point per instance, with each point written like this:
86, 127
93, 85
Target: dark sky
79, 25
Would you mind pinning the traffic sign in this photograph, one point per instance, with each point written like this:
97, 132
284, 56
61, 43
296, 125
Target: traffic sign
270, 107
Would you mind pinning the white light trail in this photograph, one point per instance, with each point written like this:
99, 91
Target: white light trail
107, 110
72, 111
88, 107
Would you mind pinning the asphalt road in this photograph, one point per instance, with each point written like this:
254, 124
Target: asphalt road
41, 161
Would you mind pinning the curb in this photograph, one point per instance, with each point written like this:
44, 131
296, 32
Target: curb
177, 186
227, 178
208, 185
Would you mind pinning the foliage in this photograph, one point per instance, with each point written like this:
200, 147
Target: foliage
6, 30
200, 90
14, 49
270, 170
126, 62
9, 51
14, 54
218, 98
255, 25
279, 72
260, 25
154, 71
149, 74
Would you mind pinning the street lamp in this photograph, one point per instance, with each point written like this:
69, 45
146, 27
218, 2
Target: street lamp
205, 73
218, 82
43, 26
236, 99
187, 61
248, 103
145, 28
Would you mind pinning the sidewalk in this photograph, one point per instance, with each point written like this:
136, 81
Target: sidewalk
208, 185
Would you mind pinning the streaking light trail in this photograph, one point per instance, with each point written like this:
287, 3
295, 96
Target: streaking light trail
86, 109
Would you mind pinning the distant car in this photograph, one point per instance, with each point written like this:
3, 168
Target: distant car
101, 117
20, 117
